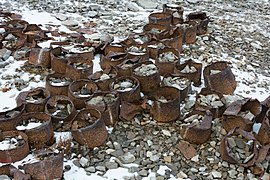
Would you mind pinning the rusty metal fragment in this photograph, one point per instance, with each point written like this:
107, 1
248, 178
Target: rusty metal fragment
16, 146
232, 144
128, 88
201, 19
113, 48
219, 77
241, 114
40, 57
162, 18
263, 135
166, 106
59, 60
108, 103
57, 84
13, 173
34, 99
9, 119
137, 50
112, 59
187, 149
176, 11
212, 101
148, 75
156, 31
191, 70
189, 30
88, 128
197, 127
126, 67
79, 68
104, 78
175, 39
265, 107
166, 60
38, 127
80, 90
49, 165
183, 84
62, 111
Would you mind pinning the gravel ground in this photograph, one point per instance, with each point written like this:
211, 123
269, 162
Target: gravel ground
239, 33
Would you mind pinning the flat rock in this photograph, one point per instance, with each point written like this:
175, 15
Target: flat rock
149, 4
192, 1
70, 23
216, 174
111, 165
127, 158
92, 14
84, 161
5, 53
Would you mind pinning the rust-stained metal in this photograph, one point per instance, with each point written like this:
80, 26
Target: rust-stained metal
48, 165
137, 50
138, 38
216, 111
16, 25
57, 89
38, 136
195, 77
163, 63
60, 121
148, 83
126, 67
175, 39
88, 128
166, 106
34, 99
13, 173
219, 77
156, 31
34, 33
9, 119
162, 18
109, 109
154, 46
176, 11
197, 132
113, 48
201, 19
129, 110
183, 91
78, 68
104, 78
265, 107
40, 57
58, 60
80, 90
226, 150
18, 153
189, 30
232, 117
263, 135
112, 59
128, 94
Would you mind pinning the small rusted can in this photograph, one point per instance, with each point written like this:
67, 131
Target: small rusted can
40, 57
219, 77
148, 75
162, 18
34, 99
166, 60
128, 88
166, 106
196, 131
89, 129
81, 90
201, 19
38, 135
57, 84
104, 78
79, 69
9, 119
176, 10
112, 59
108, 103
16, 153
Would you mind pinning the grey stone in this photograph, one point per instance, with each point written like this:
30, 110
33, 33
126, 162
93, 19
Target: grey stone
70, 23
101, 168
92, 14
149, 4
111, 165
127, 158
3, 64
143, 173
5, 53
84, 161
76, 162
133, 169
90, 169
216, 174
61, 17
